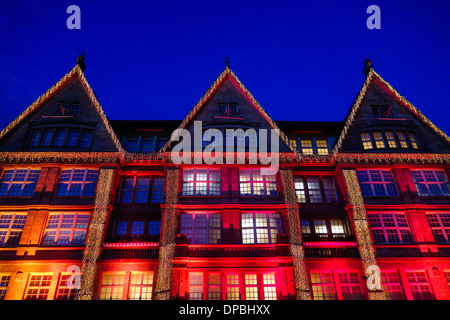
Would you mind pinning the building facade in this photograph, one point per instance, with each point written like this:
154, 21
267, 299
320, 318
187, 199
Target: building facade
96, 209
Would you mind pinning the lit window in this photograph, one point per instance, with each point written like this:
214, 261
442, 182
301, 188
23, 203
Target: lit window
413, 140
391, 284
251, 286
201, 227
195, 286
11, 226
214, 286
350, 286
141, 286
307, 147
322, 146
402, 139
366, 140
377, 183
311, 191
270, 290
18, 182
112, 286
201, 182
390, 139
66, 229
38, 287
252, 182
390, 228
378, 138
232, 286
431, 182
77, 182
440, 226
64, 292
4, 281
322, 285
260, 227
327, 228
418, 283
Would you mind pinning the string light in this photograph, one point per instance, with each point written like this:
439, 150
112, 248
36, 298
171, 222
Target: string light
361, 226
169, 227
303, 291
96, 231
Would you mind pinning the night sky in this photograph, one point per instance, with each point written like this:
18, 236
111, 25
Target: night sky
302, 60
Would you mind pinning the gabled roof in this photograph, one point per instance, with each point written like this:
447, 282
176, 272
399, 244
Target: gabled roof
373, 77
228, 74
72, 74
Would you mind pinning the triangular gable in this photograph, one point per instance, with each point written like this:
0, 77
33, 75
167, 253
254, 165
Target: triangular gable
374, 78
57, 87
228, 74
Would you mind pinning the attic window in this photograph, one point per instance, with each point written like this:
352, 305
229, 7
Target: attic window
61, 137
67, 108
382, 110
228, 108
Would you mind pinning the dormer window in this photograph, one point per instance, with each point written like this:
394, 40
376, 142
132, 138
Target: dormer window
382, 139
61, 137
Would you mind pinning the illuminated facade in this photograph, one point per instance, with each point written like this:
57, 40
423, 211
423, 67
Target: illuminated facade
358, 209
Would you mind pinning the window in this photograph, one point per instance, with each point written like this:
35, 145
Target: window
377, 183
231, 108
431, 182
382, 110
270, 289
232, 286
322, 285
135, 189
419, 286
260, 227
390, 139
440, 226
11, 226
447, 277
61, 137
251, 286
307, 147
77, 182
66, 229
38, 287
64, 292
252, 182
390, 228
350, 286
322, 146
402, 139
366, 140
391, 284
195, 286
214, 286
143, 143
4, 281
19, 182
325, 228
136, 230
157, 190
378, 138
112, 286
413, 140
201, 227
315, 189
201, 182
141, 286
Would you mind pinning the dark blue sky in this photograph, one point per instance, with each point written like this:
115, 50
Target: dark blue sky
302, 60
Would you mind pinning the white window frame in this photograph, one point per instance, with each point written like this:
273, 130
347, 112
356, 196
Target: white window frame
255, 233
439, 180
195, 232
269, 183
12, 228
381, 226
62, 229
440, 226
87, 171
371, 182
191, 187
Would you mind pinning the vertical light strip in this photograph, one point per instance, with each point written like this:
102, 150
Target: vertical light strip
95, 232
303, 291
169, 227
362, 229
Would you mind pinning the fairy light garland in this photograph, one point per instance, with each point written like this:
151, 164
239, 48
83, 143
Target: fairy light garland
169, 227
96, 231
362, 230
303, 291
